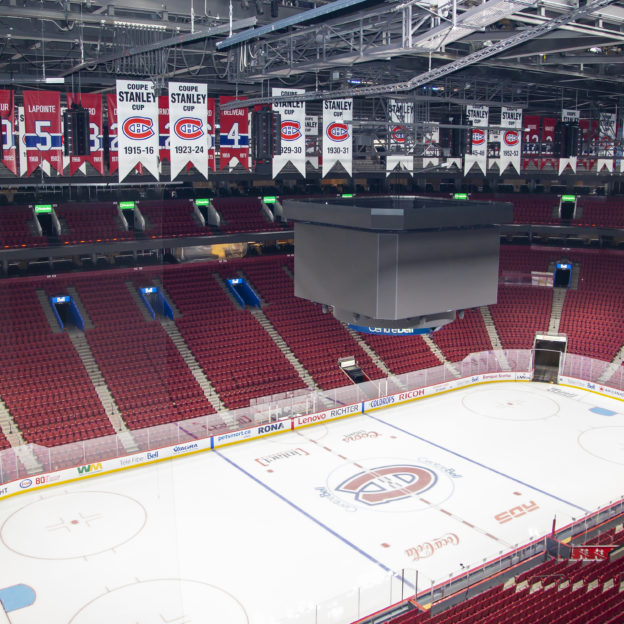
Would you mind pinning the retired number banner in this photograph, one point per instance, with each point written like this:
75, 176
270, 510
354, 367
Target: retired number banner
292, 132
478, 116
137, 118
188, 126
511, 143
233, 134
531, 142
7, 113
163, 128
93, 103
210, 129
337, 137
42, 123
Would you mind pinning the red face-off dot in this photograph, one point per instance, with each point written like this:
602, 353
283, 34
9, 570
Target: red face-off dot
75, 522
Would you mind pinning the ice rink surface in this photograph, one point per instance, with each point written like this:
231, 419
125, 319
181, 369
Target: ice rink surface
286, 528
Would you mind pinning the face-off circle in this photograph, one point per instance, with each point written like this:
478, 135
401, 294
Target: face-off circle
163, 600
69, 526
390, 484
604, 442
509, 404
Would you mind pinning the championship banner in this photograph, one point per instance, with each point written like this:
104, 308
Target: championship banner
210, 131
511, 143
137, 116
7, 113
337, 137
311, 140
431, 155
292, 131
606, 153
401, 119
233, 134
531, 141
188, 124
478, 116
163, 128
113, 154
548, 142
44, 136
93, 103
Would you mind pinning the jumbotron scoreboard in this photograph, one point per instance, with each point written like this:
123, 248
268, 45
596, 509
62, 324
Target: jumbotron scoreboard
397, 265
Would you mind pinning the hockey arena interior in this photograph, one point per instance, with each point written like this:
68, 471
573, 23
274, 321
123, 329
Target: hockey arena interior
312, 312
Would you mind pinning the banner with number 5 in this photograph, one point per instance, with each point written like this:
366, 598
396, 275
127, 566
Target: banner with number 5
234, 134
93, 103
44, 138
7, 117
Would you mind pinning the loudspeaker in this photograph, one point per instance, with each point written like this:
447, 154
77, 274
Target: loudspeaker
265, 138
76, 131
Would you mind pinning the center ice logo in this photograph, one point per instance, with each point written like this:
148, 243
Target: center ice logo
386, 484
138, 128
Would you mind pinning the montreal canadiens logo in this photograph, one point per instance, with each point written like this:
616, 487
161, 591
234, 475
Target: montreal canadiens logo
188, 128
290, 130
478, 136
138, 128
511, 138
337, 131
398, 134
386, 484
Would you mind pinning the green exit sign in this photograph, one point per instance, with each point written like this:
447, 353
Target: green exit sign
43, 208
269, 199
202, 202
460, 195
126, 205
570, 198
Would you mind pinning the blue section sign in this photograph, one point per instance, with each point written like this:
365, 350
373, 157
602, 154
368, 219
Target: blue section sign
386, 331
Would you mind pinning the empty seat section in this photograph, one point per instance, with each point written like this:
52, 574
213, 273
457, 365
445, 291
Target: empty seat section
463, 336
600, 212
171, 218
402, 354
17, 228
521, 311
318, 340
148, 378
235, 352
242, 214
91, 222
43, 381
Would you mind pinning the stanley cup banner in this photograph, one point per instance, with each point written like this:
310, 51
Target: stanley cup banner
93, 103
401, 119
312, 140
292, 131
137, 119
7, 114
531, 141
478, 117
43, 133
511, 143
337, 136
233, 134
431, 154
188, 125
163, 129
606, 152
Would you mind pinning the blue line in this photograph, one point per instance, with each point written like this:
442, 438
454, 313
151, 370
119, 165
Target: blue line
473, 461
344, 540
188, 433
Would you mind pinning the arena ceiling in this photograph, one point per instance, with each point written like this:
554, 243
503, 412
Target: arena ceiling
543, 54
